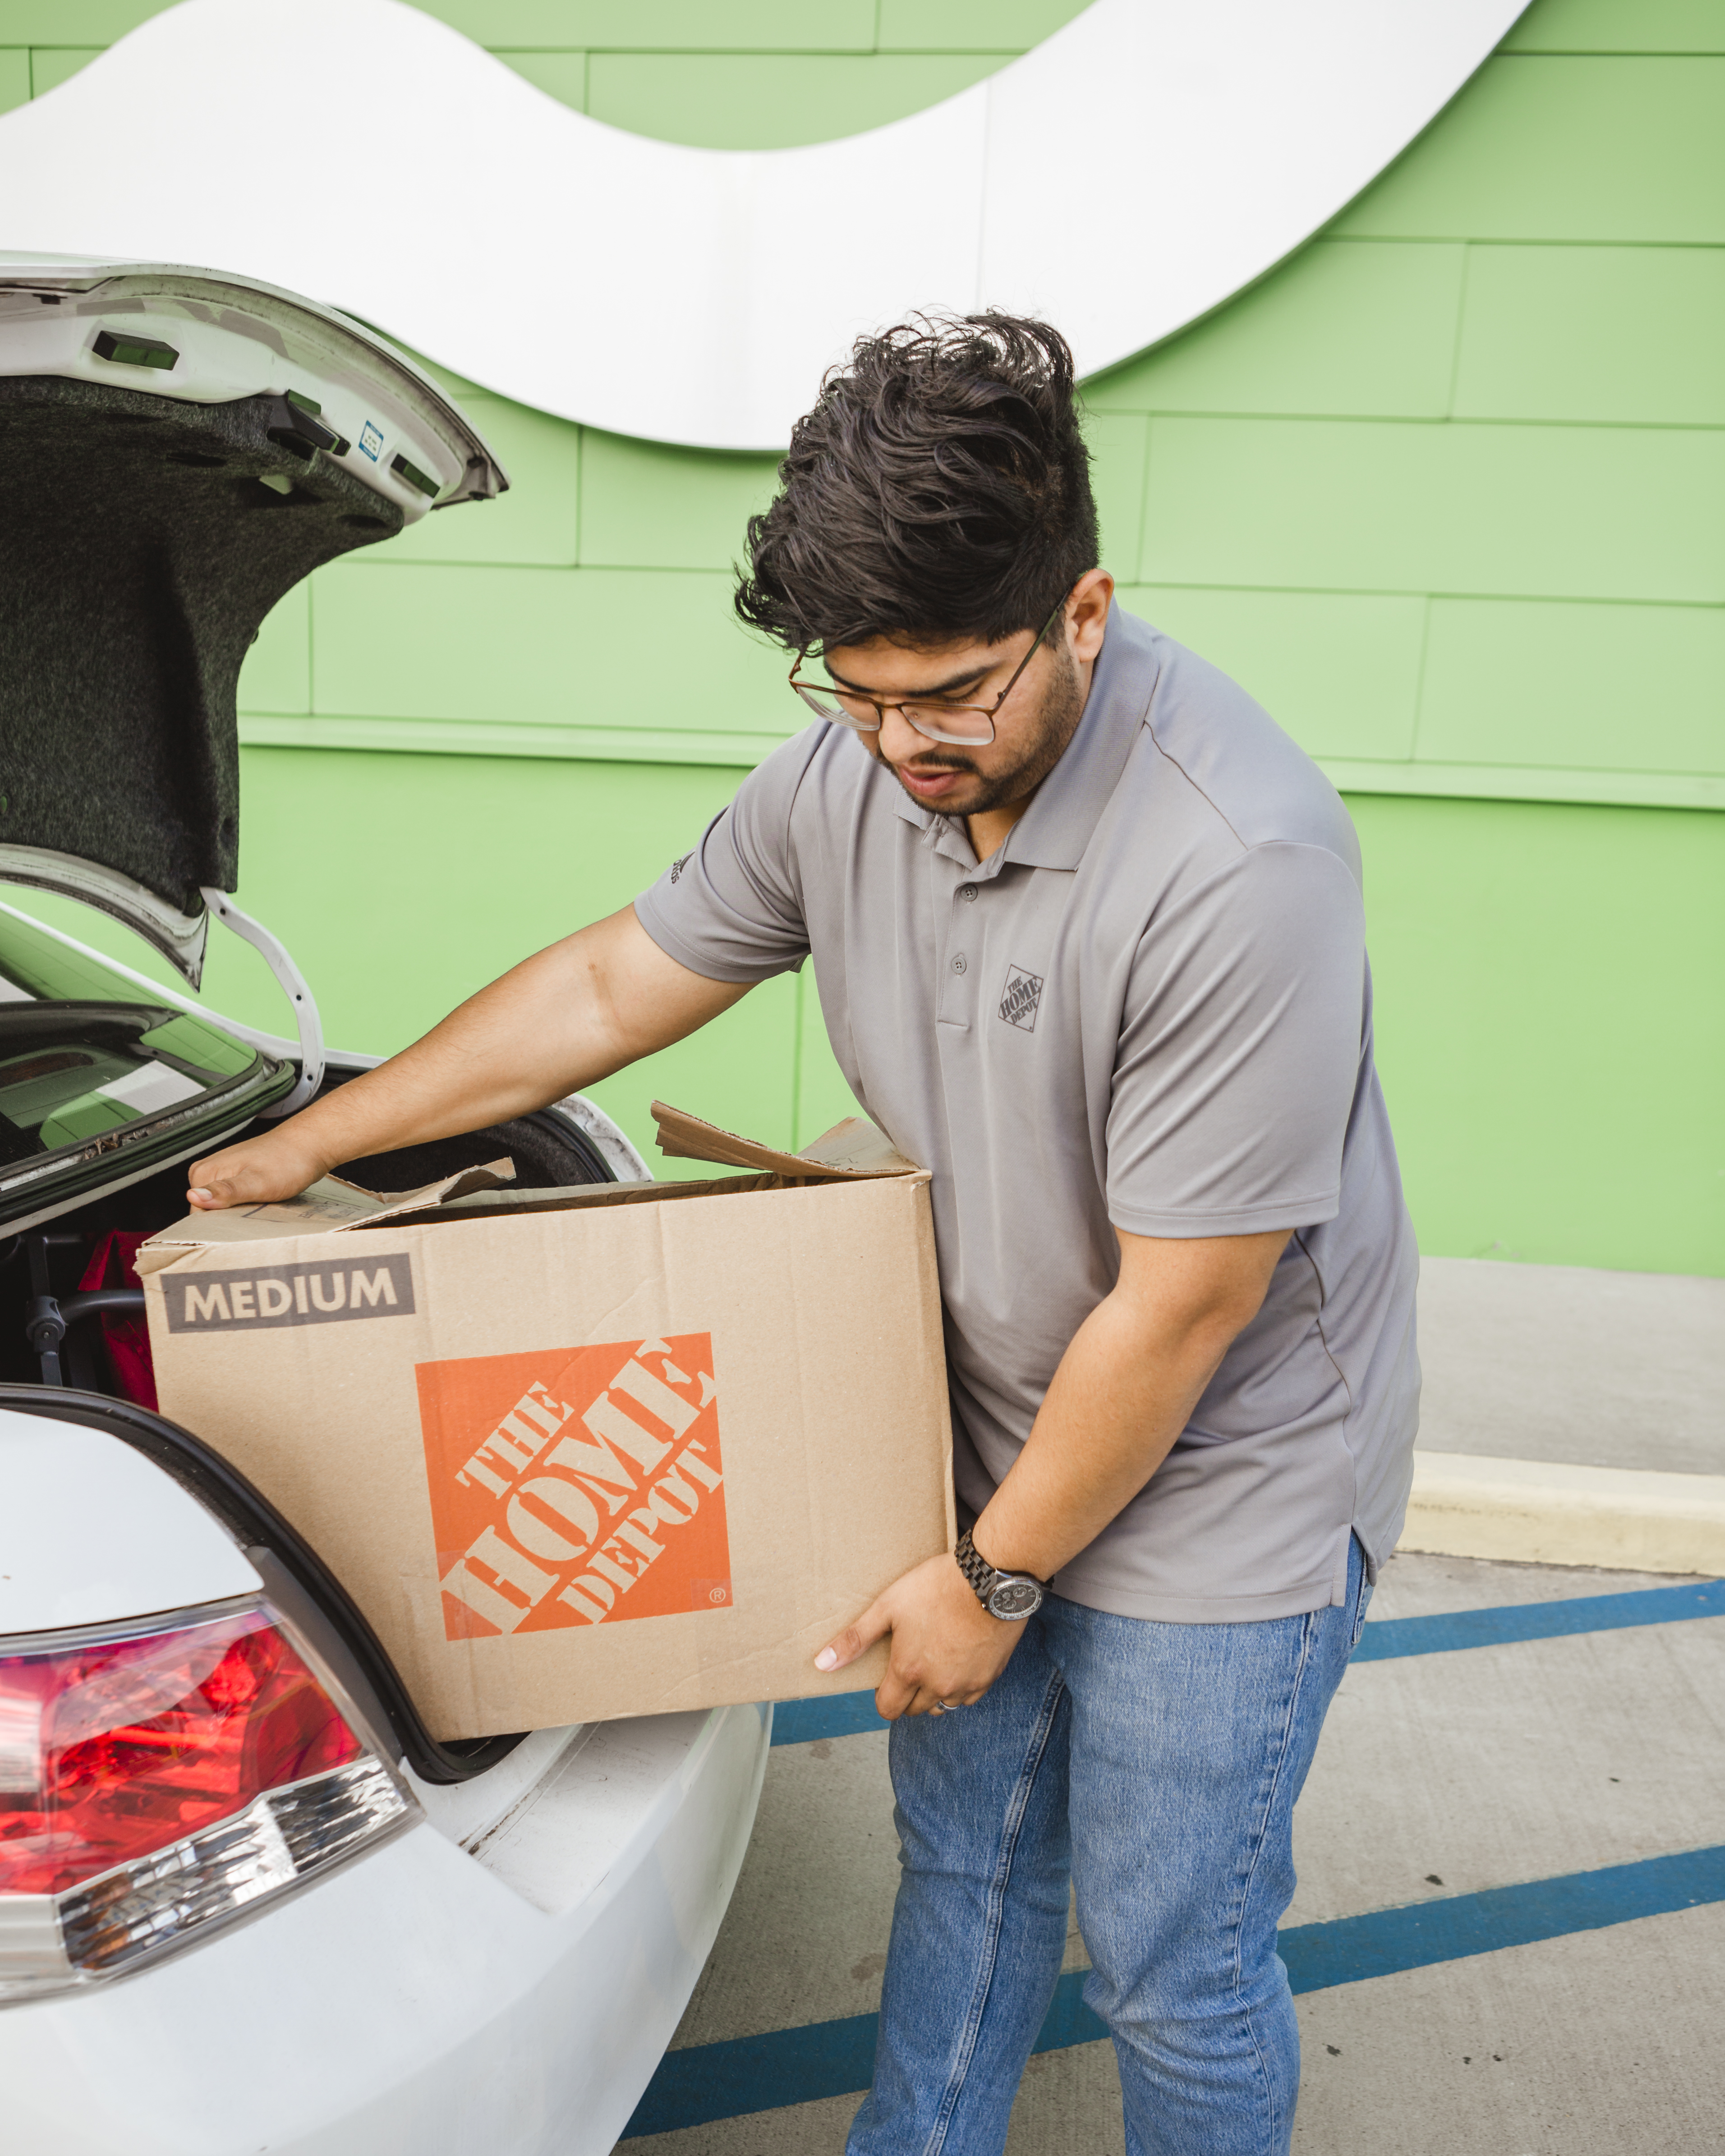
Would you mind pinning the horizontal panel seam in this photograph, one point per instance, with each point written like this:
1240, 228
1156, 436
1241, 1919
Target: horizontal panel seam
739, 750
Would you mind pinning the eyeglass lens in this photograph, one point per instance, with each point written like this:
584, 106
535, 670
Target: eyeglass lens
940, 722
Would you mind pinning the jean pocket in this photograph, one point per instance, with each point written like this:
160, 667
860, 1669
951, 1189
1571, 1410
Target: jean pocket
1359, 1613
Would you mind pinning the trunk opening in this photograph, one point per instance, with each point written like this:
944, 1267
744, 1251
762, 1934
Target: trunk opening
104, 1347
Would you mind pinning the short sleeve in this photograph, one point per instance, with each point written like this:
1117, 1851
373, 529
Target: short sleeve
732, 909
1240, 1051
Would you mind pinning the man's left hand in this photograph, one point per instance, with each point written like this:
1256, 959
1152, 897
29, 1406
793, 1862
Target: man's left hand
947, 1650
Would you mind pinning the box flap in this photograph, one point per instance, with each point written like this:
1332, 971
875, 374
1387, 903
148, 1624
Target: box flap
329, 1207
852, 1148
856, 1147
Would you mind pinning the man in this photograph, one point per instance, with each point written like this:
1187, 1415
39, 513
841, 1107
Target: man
1087, 930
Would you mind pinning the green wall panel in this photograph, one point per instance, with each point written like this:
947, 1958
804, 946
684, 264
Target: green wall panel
1611, 26
14, 77
542, 647
277, 673
1553, 1076
1119, 446
1564, 148
771, 101
666, 25
1482, 509
71, 22
1359, 329
1619, 688
50, 65
1339, 670
646, 506
1630, 334
537, 523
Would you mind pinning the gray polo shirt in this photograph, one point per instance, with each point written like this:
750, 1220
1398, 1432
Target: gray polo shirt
1149, 1010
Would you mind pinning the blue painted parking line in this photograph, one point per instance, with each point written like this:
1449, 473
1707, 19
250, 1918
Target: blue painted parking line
711, 2081
1459, 1629
847, 1714
836, 1714
1451, 1926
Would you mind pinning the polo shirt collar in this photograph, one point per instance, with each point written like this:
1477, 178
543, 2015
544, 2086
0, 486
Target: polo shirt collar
1055, 829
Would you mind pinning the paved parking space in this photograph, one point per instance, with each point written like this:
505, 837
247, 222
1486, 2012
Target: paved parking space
1547, 1979
1563, 1362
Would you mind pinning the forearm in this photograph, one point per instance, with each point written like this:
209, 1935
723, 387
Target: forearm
1124, 1391
1103, 1432
560, 1021
546, 1028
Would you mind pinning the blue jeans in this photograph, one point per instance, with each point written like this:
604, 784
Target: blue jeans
1156, 1766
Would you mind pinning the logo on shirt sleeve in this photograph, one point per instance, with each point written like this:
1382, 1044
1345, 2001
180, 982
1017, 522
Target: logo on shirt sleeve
678, 867
1022, 995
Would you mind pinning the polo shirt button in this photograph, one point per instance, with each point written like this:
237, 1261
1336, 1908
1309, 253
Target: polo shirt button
958, 963
967, 890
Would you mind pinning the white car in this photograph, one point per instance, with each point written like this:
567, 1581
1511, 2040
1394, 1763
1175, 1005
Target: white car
246, 1901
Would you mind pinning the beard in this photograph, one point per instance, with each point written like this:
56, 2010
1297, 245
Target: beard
1045, 743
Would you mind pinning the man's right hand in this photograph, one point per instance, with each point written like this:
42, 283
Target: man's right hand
278, 1165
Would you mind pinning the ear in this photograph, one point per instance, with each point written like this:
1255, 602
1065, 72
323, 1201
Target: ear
1087, 606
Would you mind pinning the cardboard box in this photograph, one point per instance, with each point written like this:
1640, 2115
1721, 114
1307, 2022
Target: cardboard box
585, 1453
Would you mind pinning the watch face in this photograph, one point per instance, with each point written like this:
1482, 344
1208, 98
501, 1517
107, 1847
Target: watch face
1015, 1598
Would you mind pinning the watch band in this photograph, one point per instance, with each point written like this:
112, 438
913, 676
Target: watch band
976, 1568
1010, 1596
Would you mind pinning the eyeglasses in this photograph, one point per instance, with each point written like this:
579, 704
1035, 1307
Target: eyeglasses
966, 726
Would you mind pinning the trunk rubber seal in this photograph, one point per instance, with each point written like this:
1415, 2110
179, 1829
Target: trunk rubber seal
252, 1520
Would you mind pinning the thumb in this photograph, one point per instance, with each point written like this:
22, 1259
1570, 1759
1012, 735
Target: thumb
253, 1171
873, 1624
214, 1185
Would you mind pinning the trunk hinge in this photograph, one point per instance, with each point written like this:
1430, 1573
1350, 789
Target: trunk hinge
293, 981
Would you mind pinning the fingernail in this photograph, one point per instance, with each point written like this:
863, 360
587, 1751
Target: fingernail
195, 1193
827, 1659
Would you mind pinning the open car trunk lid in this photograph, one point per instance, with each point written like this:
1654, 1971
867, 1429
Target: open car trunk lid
179, 449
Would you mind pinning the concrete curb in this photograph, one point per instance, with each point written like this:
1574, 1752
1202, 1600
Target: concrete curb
1534, 1512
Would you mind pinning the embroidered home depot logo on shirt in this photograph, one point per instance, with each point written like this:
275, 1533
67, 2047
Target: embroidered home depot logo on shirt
1019, 997
579, 1485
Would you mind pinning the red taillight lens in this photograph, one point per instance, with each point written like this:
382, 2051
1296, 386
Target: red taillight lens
110, 1752
153, 1787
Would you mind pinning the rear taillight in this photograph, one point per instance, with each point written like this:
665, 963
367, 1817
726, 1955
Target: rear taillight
155, 1782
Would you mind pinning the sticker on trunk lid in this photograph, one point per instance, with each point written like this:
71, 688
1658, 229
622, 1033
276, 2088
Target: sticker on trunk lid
578, 1485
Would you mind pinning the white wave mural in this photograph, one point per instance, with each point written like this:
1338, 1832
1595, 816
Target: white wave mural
1148, 161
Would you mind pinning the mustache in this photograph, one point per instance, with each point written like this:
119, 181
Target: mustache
928, 763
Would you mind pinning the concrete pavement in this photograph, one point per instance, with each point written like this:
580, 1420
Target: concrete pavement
1561, 1363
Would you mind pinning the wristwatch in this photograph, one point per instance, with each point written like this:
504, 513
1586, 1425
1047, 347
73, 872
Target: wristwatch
1011, 1596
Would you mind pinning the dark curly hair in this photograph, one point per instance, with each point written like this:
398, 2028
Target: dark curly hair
939, 490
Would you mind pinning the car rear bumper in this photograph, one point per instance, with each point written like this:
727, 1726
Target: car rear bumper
426, 2000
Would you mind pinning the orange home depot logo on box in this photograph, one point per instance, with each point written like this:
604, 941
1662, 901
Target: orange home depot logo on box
576, 1486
